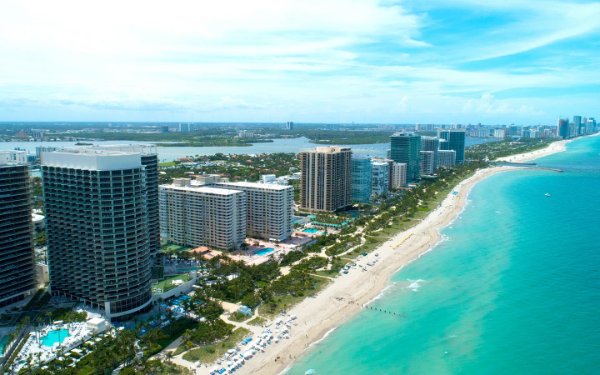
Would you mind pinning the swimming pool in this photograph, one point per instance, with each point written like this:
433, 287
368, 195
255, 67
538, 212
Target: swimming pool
56, 336
265, 251
311, 230
3, 341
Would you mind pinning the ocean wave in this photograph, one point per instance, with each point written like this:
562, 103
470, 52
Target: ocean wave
415, 285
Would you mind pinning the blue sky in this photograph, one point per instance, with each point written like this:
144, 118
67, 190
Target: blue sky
460, 61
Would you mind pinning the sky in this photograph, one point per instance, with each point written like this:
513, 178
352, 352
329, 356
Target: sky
342, 61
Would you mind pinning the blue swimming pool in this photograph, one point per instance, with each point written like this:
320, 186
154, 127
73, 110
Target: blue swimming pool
265, 251
3, 341
56, 336
311, 230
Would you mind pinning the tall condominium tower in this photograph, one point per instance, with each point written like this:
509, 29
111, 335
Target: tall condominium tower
326, 179
446, 158
199, 215
431, 144
562, 128
427, 163
17, 266
149, 160
456, 142
361, 179
405, 148
398, 175
97, 221
381, 177
270, 208
579, 126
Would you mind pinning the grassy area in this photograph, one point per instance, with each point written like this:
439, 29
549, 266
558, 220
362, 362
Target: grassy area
258, 321
238, 317
167, 164
286, 302
167, 284
159, 338
210, 353
172, 249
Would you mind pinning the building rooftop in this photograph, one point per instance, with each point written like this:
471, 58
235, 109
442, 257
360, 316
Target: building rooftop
329, 149
202, 189
92, 159
257, 185
13, 157
140, 149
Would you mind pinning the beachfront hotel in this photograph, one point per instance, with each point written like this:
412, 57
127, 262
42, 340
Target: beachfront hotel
202, 215
17, 266
455, 140
361, 179
405, 148
270, 209
97, 223
326, 178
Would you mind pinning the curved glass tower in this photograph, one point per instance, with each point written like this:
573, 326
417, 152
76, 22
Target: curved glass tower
98, 228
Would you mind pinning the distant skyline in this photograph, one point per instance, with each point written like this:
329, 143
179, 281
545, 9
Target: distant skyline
461, 61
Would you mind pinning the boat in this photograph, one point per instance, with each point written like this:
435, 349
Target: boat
547, 194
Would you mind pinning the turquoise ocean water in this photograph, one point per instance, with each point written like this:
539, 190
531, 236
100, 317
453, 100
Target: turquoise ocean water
514, 289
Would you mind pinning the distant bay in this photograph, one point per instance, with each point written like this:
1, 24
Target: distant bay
278, 145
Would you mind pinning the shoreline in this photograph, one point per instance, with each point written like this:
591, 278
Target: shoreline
340, 301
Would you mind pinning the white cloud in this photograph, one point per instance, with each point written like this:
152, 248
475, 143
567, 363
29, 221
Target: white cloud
311, 60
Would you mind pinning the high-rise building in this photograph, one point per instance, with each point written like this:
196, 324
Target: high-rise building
40, 149
149, 160
289, 125
380, 182
17, 265
269, 208
431, 144
446, 158
591, 125
361, 179
427, 163
13, 157
456, 142
97, 224
562, 128
579, 126
200, 215
398, 175
326, 178
405, 148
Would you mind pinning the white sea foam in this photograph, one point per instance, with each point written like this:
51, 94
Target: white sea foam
415, 285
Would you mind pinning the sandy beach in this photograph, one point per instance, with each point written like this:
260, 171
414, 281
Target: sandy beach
347, 295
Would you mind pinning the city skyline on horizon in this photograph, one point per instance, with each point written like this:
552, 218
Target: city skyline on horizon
310, 62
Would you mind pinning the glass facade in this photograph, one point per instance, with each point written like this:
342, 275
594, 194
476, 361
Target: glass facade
361, 179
